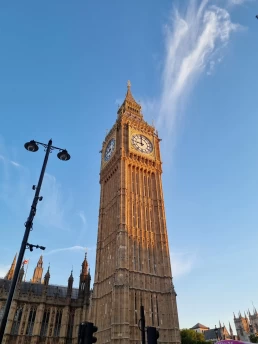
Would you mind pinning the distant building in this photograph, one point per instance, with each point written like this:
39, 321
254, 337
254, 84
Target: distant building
217, 333
214, 334
45, 313
246, 325
199, 328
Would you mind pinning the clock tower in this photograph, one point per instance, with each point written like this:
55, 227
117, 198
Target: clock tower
132, 260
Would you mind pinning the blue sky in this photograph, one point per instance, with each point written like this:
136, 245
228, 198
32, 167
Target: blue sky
193, 65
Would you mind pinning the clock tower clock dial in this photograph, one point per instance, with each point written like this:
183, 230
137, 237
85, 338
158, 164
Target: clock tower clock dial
109, 150
142, 143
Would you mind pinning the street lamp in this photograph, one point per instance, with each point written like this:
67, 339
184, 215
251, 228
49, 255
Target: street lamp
63, 155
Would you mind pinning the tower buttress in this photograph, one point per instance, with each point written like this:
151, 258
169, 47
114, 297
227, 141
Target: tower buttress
10, 273
70, 285
38, 271
84, 287
47, 277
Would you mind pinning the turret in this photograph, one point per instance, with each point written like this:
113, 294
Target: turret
10, 273
47, 277
84, 287
38, 271
70, 285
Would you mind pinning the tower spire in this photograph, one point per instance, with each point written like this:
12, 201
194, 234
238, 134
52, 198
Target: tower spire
9, 275
38, 271
130, 106
47, 276
70, 285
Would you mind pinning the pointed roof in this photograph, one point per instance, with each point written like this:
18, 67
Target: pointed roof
130, 106
230, 328
10, 273
71, 276
198, 325
47, 275
85, 265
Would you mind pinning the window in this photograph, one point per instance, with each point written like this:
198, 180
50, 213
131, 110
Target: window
2, 311
44, 326
58, 323
17, 321
70, 327
31, 321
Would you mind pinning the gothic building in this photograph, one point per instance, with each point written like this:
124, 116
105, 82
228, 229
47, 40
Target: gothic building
45, 313
247, 324
132, 259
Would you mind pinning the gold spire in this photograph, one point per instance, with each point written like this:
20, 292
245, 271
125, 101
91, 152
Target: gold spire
38, 271
9, 275
130, 106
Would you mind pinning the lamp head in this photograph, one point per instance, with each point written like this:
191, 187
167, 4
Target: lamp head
31, 146
63, 155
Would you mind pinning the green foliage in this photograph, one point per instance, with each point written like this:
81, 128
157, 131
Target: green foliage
192, 337
253, 338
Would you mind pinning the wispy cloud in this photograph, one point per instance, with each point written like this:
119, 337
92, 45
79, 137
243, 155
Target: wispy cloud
55, 211
194, 45
14, 163
238, 2
195, 42
182, 262
82, 216
71, 249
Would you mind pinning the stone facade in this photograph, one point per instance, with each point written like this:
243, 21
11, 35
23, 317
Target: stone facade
43, 313
246, 325
132, 260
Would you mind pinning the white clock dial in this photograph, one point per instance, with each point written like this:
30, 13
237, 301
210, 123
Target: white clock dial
109, 150
142, 143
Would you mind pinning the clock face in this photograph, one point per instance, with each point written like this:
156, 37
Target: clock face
109, 150
142, 144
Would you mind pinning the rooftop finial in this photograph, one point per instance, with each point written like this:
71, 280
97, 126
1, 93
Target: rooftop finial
128, 84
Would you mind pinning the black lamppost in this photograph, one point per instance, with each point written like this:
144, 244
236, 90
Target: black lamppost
31, 146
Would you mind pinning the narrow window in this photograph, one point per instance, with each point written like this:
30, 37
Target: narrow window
31, 321
152, 313
139, 256
2, 311
58, 323
17, 321
134, 257
70, 327
135, 308
45, 321
157, 309
149, 263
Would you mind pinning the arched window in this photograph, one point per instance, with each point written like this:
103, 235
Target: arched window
31, 321
17, 320
2, 306
58, 322
44, 326
70, 327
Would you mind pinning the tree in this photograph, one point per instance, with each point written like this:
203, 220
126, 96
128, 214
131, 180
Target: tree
192, 337
253, 338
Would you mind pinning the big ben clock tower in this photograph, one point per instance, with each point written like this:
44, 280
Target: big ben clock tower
132, 261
